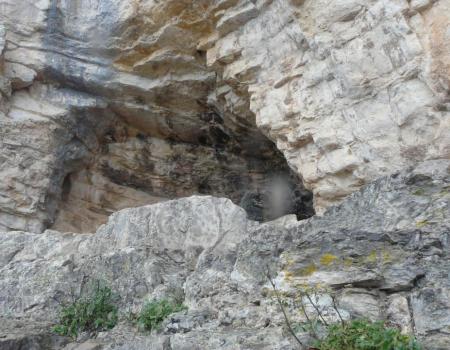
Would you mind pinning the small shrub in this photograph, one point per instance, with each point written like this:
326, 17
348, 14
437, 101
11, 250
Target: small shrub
92, 314
359, 334
155, 312
365, 335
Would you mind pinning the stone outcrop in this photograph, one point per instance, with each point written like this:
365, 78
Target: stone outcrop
384, 252
111, 109
108, 104
94, 122
349, 90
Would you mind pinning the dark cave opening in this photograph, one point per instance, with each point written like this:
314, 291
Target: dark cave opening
135, 166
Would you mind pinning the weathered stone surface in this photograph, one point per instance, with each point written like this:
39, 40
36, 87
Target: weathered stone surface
349, 91
390, 239
384, 252
144, 253
125, 85
111, 104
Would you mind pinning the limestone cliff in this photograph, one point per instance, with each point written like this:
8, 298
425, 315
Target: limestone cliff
108, 104
112, 110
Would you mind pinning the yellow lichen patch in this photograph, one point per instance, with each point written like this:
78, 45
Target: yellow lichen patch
387, 258
327, 259
372, 257
287, 259
421, 223
300, 287
306, 271
288, 276
348, 262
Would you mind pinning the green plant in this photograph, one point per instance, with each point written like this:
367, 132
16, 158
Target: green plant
94, 313
155, 312
359, 334
365, 335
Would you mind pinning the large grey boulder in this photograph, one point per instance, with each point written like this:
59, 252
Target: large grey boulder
143, 253
383, 253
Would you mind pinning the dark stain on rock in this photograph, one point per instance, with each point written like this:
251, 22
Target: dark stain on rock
219, 136
125, 178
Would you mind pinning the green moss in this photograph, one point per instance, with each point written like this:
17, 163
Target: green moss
419, 192
445, 191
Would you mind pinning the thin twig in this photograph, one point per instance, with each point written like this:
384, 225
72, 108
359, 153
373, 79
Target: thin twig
280, 303
316, 308
333, 298
313, 329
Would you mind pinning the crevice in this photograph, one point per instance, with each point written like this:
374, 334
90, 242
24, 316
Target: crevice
66, 188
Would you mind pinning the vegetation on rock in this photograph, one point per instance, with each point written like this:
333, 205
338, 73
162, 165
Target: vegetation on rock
155, 312
92, 314
357, 334
365, 335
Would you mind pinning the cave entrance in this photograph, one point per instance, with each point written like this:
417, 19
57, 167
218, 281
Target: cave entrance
137, 165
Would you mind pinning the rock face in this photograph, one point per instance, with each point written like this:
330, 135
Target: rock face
384, 252
349, 90
113, 104
95, 120
110, 104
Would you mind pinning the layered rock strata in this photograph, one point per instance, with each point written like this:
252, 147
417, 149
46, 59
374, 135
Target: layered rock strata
349, 91
106, 106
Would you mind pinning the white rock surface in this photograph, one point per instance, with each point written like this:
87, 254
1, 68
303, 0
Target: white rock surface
348, 90
109, 104
118, 100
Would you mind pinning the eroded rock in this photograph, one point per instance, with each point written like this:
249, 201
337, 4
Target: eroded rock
121, 96
348, 91
382, 252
